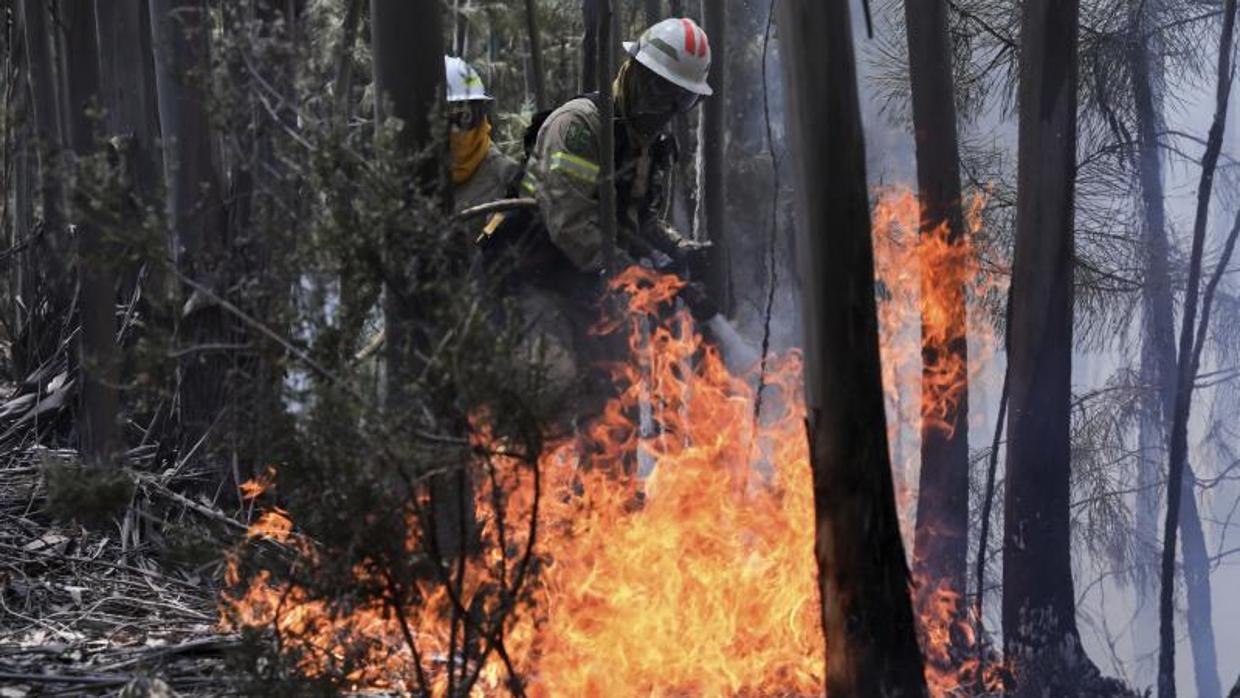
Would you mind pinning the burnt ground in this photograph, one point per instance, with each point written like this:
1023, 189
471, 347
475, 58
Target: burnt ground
95, 610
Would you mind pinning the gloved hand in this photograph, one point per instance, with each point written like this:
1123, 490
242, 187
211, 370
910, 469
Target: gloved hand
692, 251
700, 303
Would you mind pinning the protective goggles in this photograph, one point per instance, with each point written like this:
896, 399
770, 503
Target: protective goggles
466, 116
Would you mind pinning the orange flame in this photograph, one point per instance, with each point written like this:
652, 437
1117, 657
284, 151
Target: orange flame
697, 578
926, 282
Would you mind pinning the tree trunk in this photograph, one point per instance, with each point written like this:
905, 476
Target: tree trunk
941, 541
605, 31
409, 78
589, 46
128, 83
538, 79
1039, 612
24, 169
866, 615
1158, 368
343, 83
654, 13
181, 43
712, 206
96, 276
48, 293
1186, 374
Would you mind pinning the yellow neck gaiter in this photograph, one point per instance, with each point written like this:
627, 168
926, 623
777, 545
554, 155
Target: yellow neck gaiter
469, 149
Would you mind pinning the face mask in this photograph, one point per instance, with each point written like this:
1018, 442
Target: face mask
650, 102
469, 148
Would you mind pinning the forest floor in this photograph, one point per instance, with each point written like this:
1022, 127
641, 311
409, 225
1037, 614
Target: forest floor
94, 611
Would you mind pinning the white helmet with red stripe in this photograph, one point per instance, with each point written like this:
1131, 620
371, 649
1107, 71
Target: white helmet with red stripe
676, 50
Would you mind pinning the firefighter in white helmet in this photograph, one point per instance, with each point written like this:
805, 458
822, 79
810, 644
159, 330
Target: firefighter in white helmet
480, 172
665, 75
558, 276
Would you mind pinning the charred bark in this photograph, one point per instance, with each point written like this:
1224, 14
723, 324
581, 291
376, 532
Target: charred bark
866, 613
941, 541
1039, 613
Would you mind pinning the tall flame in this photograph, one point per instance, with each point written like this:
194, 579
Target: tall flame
697, 579
926, 282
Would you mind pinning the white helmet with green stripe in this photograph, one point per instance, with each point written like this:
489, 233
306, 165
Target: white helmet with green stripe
676, 50
464, 83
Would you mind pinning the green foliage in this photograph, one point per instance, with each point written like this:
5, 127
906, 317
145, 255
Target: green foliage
90, 496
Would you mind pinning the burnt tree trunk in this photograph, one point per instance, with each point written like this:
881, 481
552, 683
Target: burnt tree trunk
607, 137
97, 418
1186, 373
1158, 368
24, 171
538, 79
47, 291
1039, 609
866, 613
589, 46
180, 31
941, 540
342, 90
712, 206
653, 11
128, 89
409, 79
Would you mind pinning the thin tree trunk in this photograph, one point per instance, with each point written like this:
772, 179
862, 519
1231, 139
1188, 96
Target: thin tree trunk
866, 614
654, 12
941, 540
96, 274
343, 83
407, 33
128, 82
712, 206
1159, 368
1039, 612
589, 46
607, 138
181, 43
25, 164
48, 293
1187, 369
538, 78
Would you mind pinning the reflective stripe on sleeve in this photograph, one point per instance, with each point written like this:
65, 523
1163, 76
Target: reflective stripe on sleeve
575, 167
529, 183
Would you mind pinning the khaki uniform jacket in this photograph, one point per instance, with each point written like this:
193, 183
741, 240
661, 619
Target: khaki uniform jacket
563, 174
489, 183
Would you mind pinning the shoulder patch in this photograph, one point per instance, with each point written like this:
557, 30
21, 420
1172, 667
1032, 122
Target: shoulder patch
578, 140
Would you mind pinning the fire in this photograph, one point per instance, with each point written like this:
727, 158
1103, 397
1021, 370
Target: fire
924, 315
698, 579
695, 578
